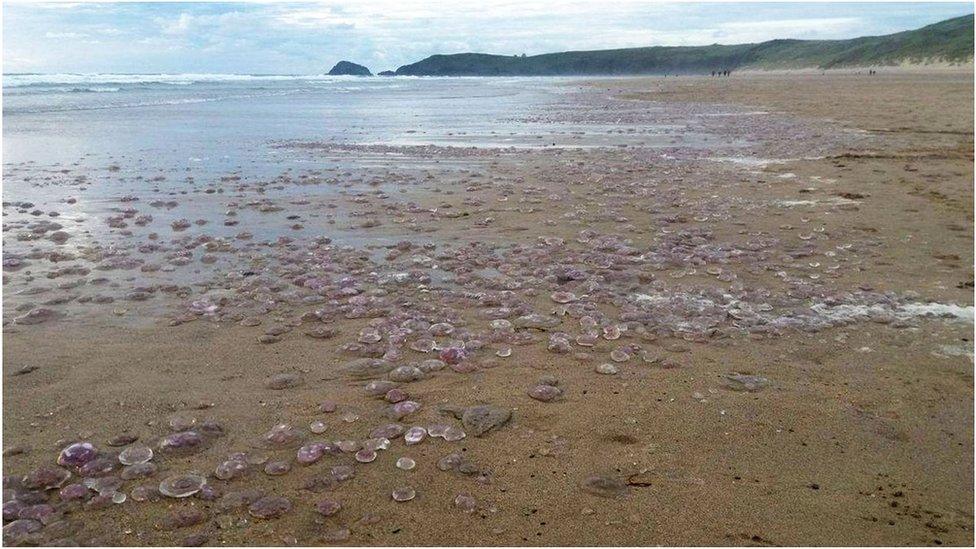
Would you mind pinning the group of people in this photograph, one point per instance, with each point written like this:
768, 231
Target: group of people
721, 73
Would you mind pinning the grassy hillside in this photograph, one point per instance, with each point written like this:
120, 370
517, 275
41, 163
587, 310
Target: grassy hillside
950, 41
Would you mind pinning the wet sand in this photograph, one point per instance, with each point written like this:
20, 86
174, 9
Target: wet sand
847, 195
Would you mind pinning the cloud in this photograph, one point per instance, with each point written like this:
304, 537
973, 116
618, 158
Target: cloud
309, 37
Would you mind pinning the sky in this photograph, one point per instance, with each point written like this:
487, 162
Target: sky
308, 38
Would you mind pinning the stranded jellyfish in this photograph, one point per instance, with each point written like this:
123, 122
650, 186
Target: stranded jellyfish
230, 469
375, 444
453, 434
563, 297
184, 442
46, 478
310, 453
406, 463
181, 486
404, 408
281, 436
138, 470
342, 472
269, 507
415, 435
73, 492
135, 455
545, 393
449, 462
328, 507
452, 355
437, 430
77, 454
606, 486
404, 493
365, 456
466, 503
276, 468
390, 430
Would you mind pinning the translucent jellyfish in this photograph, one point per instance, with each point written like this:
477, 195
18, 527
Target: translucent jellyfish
587, 340
611, 332
145, 493
559, 345
406, 463
105, 486
545, 393
452, 355
99, 466
606, 369
423, 345
230, 469
318, 426
135, 454
276, 468
745, 383
606, 486
395, 395
441, 329
342, 472
269, 507
563, 297
620, 355
453, 434
432, 365
46, 478
375, 444
181, 422
379, 387
369, 335
328, 406
349, 446
138, 470
437, 429
310, 453
406, 374
184, 442
404, 493
118, 498
281, 436
328, 507
73, 492
210, 428
504, 352
77, 454
365, 456
390, 430
181, 486
40, 512
404, 408
281, 381
466, 503
415, 435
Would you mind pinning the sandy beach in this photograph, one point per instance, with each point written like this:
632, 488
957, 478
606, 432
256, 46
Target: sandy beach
677, 311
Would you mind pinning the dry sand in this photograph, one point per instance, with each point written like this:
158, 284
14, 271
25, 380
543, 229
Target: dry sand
864, 435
